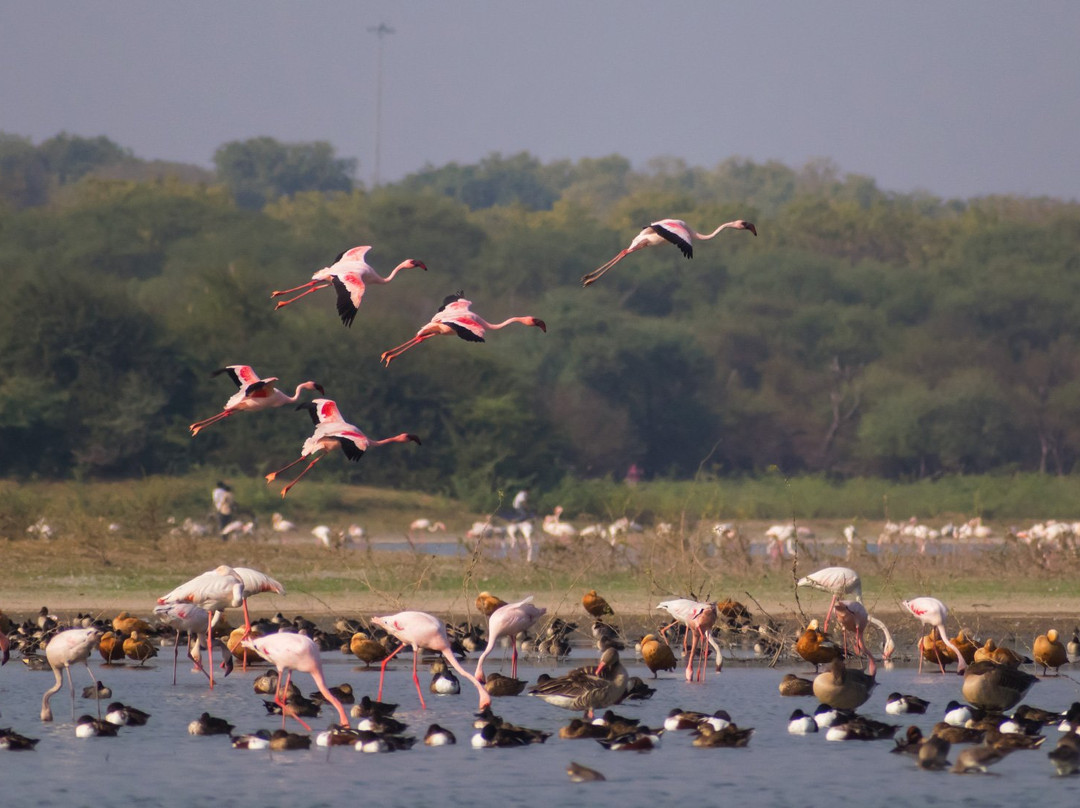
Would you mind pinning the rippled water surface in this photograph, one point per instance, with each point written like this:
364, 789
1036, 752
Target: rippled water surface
160, 764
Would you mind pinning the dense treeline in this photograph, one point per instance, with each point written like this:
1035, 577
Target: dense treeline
862, 333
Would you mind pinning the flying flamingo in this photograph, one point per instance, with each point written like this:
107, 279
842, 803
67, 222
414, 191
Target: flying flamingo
674, 230
332, 432
423, 630
454, 317
694, 615
254, 394
64, 649
349, 275
836, 580
212, 591
293, 652
508, 620
932, 612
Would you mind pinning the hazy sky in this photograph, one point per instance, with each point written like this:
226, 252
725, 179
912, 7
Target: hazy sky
957, 98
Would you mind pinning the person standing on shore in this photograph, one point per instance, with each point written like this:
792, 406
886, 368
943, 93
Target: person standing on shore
224, 502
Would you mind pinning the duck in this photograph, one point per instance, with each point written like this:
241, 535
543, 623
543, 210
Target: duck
207, 724
899, 704
499, 685
493, 735
657, 654
267, 685
111, 647
992, 652
260, 739
586, 689
139, 648
1070, 719
731, 736
282, 740
792, 685
12, 741
959, 714
637, 690
1073, 648
298, 705
990, 686
382, 724
1046, 718
578, 729
1065, 757
617, 724
861, 728
958, 734
487, 603
825, 716
376, 742
932, 754
343, 693
799, 723
124, 623
1050, 652
977, 759
642, 739
595, 604
582, 774
89, 727
680, 719
910, 743
815, 647
124, 716
439, 736
845, 688
367, 650
1012, 740
98, 691
369, 707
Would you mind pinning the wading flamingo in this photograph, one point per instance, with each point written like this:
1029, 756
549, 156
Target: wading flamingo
212, 591
932, 612
454, 317
837, 581
674, 230
187, 618
65, 649
293, 652
349, 274
423, 630
508, 620
254, 394
686, 611
333, 432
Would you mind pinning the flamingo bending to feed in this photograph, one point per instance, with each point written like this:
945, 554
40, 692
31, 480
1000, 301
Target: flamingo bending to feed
687, 611
454, 317
66, 648
294, 652
508, 620
254, 394
349, 274
423, 630
675, 231
837, 581
187, 618
212, 591
333, 432
932, 612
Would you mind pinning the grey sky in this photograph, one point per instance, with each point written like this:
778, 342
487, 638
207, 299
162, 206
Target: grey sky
958, 98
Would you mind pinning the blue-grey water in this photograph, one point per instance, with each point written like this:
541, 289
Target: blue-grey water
162, 765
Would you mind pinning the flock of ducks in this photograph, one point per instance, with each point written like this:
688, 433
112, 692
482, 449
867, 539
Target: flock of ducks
994, 681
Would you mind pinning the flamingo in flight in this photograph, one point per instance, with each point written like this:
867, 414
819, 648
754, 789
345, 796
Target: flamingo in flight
332, 431
293, 652
254, 394
423, 630
676, 231
454, 317
349, 274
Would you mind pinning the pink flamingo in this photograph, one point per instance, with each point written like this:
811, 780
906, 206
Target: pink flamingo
5, 644
454, 317
674, 230
186, 618
294, 652
508, 621
694, 615
350, 275
423, 630
254, 394
65, 649
212, 591
932, 612
333, 432
836, 580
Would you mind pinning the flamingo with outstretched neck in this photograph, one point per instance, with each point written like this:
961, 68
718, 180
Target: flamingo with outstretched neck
509, 621
455, 317
350, 275
423, 630
674, 231
65, 649
255, 394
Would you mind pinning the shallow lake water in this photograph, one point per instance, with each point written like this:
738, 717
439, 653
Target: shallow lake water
161, 764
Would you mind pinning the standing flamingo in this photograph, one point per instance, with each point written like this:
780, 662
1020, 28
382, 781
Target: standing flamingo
509, 620
293, 652
454, 317
423, 630
836, 580
189, 619
64, 649
693, 614
674, 230
932, 612
254, 394
212, 591
332, 432
349, 274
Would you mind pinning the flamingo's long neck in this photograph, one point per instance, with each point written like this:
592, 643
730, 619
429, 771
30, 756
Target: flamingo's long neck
46, 710
961, 663
485, 698
330, 697
504, 323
